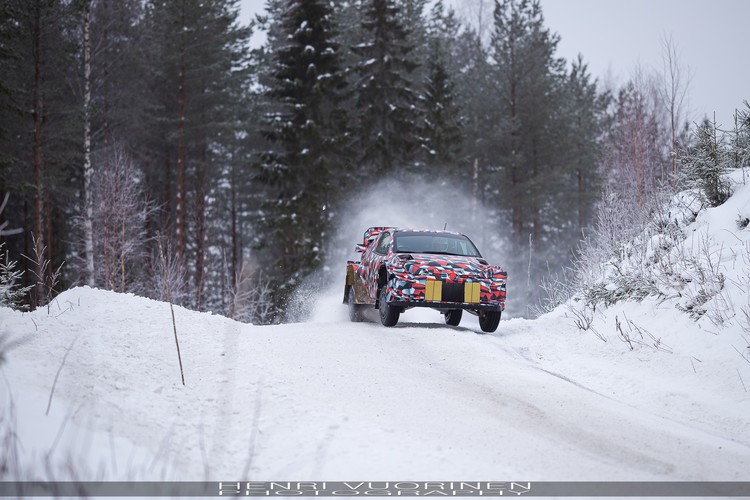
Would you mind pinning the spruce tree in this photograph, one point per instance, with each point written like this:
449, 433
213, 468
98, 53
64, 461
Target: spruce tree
740, 138
386, 101
704, 164
442, 133
306, 131
412, 15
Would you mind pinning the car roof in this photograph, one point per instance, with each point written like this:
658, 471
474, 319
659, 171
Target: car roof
375, 230
427, 231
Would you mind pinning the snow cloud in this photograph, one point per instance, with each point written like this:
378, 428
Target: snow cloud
411, 201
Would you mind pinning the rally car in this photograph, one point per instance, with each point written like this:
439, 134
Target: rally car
405, 268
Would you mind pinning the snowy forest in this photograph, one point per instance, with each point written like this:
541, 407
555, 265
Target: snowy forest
146, 146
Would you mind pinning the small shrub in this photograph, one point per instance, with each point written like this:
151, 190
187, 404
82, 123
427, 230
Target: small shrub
11, 294
704, 166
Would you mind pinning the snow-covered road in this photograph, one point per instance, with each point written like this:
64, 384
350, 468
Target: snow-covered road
332, 400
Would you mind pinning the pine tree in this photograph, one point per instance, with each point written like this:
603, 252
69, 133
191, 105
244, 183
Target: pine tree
386, 101
197, 60
118, 72
540, 142
10, 111
41, 135
478, 102
527, 82
9, 56
585, 116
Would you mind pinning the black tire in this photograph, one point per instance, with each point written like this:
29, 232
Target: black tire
355, 310
488, 320
453, 317
388, 313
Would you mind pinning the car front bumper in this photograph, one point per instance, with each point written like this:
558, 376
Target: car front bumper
470, 294
448, 306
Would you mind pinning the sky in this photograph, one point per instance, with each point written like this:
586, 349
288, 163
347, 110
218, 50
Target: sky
615, 37
711, 37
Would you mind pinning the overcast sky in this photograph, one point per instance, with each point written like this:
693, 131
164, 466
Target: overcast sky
712, 39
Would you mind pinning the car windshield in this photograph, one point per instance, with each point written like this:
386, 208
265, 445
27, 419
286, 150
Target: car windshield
435, 243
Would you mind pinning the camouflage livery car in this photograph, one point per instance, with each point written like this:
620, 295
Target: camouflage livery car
405, 268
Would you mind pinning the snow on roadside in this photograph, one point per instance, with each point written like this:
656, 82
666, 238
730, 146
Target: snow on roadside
684, 353
332, 400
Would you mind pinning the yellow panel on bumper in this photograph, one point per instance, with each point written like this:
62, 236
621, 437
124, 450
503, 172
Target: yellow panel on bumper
471, 292
433, 291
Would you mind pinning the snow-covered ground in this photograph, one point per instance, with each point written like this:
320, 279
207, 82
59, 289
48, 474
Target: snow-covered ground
91, 387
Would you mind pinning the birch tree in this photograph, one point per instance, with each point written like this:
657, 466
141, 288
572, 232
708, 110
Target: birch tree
87, 167
673, 93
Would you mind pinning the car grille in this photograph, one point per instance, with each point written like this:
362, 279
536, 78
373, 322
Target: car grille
453, 292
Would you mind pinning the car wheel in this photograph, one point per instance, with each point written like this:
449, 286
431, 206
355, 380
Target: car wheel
388, 313
453, 317
355, 310
488, 320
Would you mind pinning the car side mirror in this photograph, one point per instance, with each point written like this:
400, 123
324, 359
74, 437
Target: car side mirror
359, 248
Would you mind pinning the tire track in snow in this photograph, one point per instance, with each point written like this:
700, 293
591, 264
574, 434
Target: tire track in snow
542, 409
226, 377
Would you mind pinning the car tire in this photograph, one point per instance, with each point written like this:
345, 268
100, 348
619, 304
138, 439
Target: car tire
488, 320
355, 310
453, 317
388, 313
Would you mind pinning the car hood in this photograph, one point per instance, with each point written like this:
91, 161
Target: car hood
439, 266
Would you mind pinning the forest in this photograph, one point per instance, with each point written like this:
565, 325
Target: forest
146, 146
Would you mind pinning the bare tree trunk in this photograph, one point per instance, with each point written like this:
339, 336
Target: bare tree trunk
515, 145
87, 167
27, 243
536, 210
180, 226
107, 266
123, 248
475, 202
582, 212
234, 239
640, 180
38, 116
200, 244
674, 91
48, 237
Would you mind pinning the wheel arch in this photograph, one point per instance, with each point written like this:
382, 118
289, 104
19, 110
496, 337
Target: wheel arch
382, 276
